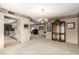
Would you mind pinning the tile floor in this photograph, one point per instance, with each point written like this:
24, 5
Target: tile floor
38, 45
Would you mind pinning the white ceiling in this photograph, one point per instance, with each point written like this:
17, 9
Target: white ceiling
51, 9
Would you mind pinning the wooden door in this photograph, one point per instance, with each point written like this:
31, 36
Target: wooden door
55, 31
58, 31
62, 34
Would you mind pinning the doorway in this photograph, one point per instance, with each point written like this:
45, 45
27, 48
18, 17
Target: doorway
11, 31
59, 31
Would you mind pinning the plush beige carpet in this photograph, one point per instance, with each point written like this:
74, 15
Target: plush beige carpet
38, 45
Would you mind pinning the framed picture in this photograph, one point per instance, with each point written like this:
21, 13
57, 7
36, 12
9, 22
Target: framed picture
71, 25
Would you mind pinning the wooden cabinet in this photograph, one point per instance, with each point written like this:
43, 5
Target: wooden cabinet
58, 31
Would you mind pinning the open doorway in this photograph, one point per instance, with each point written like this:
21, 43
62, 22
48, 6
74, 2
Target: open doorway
11, 31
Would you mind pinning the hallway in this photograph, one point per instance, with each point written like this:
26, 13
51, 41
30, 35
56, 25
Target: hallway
40, 46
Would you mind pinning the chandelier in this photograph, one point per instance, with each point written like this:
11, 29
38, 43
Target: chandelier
43, 19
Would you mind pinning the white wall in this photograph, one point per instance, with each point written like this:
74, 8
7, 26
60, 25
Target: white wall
1, 30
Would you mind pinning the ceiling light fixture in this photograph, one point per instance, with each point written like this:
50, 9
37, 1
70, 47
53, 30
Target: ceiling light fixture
43, 19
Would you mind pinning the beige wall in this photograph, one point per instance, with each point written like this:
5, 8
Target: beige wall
72, 34
41, 32
1, 30
48, 34
24, 34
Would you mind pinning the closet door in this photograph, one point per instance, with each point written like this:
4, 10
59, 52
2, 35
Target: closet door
62, 32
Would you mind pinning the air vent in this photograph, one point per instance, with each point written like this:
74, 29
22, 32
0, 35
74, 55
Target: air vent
11, 12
